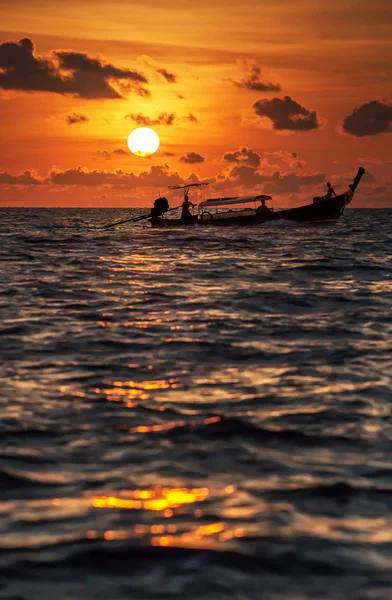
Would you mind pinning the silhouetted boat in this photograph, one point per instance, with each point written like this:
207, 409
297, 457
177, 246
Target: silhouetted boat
321, 210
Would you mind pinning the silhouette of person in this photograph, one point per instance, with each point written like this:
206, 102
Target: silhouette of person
328, 195
263, 210
330, 192
186, 214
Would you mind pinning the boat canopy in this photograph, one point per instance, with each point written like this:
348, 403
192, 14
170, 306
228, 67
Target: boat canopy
236, 200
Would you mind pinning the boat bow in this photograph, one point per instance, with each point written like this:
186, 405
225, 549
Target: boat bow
353, 186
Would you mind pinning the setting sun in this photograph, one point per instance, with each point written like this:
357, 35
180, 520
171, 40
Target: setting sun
143, 141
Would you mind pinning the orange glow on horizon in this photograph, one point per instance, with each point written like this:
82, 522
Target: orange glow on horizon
65, 132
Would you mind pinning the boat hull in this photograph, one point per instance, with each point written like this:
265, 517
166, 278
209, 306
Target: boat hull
326, 210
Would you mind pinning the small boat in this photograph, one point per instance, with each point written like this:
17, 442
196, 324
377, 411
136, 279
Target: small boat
233, 210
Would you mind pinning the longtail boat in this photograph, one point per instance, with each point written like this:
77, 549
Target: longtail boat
242, 210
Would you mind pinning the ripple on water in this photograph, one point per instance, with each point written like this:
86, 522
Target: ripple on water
189, 413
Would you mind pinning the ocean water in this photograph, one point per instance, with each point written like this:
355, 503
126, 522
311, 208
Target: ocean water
195, 413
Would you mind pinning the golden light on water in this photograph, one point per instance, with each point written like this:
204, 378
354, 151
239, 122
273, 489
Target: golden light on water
197, 536
158, 499
168, 502
174, 425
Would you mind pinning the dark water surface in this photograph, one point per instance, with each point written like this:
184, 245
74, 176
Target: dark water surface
195, 413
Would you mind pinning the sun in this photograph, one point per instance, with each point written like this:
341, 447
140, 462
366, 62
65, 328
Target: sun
143, 141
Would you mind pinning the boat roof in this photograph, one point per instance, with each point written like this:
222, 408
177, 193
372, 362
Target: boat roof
188, 185
233, 200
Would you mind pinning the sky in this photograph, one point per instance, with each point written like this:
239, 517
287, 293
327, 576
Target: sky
259, 96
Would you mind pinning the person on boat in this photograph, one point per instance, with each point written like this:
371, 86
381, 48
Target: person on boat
263, 210
328, 195
330, 192
186, 214
161, 205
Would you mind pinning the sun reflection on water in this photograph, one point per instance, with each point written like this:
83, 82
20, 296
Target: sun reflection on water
125, 391
157, 499
173, 425
168, 501
197, 536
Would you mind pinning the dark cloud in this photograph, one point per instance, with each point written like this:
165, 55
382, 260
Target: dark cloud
159, 175
169, 77
287, 114
245, 156
86, 178
161, 119
26, 178
68, 73
75, 118
369, 119
290, 183
248, 177
252, 81
342, 181
156, 176
192, 158
191, 118
290, 158
113, 154
243, 175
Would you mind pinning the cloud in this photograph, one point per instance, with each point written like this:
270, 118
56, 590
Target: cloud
290, 158
101, 198
156, 176
113, 154
252, 79
344, 179
369, 119
287, 114
245, 176
75, 118
68, 72
159, 175
291, 183
169, 77
372, 160
26, 178
192, 158
164, 75
245, 156
161, 119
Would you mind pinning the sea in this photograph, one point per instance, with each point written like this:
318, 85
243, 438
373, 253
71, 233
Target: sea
196, 413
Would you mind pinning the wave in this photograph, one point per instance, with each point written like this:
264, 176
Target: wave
218, 426
11, 479
268, 555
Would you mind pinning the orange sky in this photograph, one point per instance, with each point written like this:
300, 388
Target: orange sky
258, 96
